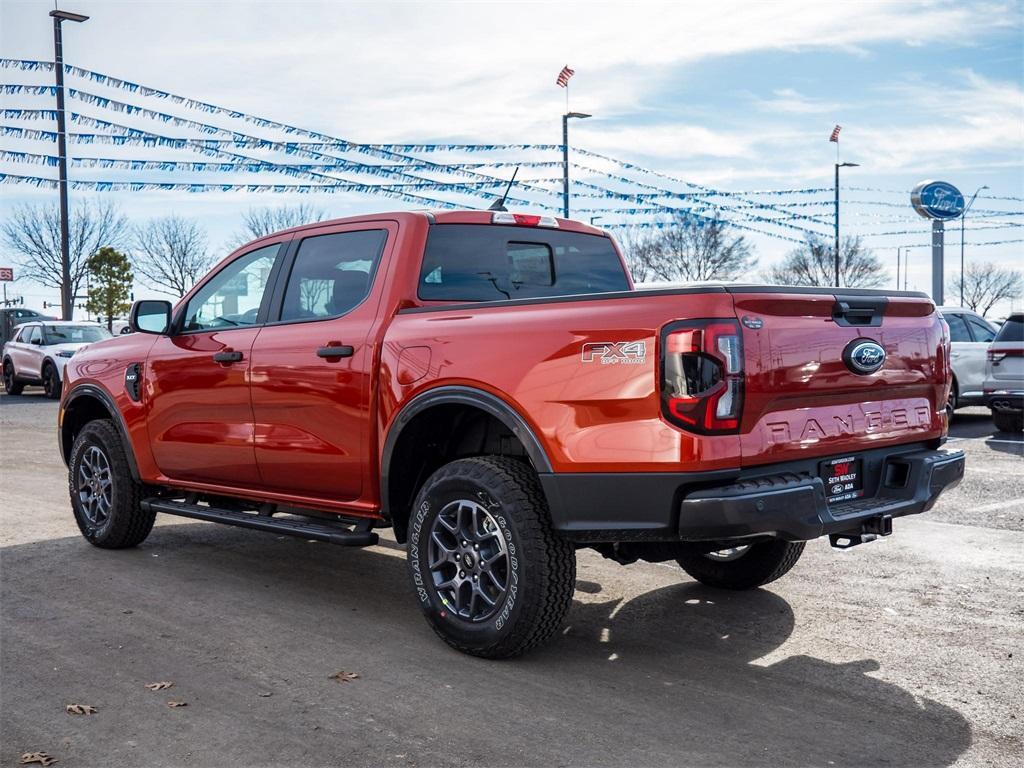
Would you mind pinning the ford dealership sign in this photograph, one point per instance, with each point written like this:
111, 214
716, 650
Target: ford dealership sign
937, 200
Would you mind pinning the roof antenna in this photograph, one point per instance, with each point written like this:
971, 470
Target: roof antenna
499, 204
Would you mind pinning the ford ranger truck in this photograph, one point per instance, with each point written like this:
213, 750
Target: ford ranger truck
491, 387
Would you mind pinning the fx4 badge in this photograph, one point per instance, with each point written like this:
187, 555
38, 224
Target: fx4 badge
615, 352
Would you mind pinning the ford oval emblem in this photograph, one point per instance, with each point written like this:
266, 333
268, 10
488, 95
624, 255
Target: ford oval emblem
937, 200
863, 356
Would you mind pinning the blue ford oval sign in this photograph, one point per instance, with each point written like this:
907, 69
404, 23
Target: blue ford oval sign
863, 356
937, 200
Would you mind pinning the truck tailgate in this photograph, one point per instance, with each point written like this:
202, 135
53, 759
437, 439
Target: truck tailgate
802, 399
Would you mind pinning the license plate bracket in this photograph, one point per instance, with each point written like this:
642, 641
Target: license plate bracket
843, 478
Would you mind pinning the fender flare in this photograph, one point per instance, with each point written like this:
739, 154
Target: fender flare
91, 390
462, 395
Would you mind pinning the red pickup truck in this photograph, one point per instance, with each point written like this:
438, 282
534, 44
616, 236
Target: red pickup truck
491, 386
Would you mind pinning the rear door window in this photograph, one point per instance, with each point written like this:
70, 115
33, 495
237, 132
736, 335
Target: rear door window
475, 262
332, 274
957, 328
980, 329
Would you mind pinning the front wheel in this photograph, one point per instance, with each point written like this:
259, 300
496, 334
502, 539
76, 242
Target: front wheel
492, 577
1008, 422
743, 567
105, 498
11, 384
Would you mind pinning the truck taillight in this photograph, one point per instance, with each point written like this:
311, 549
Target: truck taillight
702, 375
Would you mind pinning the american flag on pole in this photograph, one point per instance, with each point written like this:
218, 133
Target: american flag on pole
564, 75
835, 134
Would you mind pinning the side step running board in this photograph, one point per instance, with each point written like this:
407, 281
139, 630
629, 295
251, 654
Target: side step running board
320, 531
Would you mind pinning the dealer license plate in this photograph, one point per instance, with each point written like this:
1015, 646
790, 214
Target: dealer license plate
843, 478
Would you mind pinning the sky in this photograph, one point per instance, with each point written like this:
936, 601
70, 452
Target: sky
737, 97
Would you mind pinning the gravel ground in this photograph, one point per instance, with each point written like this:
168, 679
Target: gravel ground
906, 651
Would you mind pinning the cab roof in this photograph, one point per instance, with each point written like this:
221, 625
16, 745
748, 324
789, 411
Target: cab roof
466, 216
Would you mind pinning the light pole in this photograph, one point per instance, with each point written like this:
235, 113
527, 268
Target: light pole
66, 299
898, 267
962, 217
838, 166
565, 158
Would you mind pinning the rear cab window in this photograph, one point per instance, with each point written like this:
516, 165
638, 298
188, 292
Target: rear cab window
485, 262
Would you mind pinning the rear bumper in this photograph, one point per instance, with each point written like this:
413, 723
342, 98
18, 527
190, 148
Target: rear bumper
1005, 400
784, 501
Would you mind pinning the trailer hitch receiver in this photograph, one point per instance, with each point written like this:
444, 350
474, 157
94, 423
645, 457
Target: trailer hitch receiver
869, 530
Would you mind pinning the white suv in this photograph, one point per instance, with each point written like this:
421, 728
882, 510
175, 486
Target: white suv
38, 352
1004, 375
969, 335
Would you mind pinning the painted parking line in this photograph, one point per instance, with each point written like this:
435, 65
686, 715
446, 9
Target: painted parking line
985, 438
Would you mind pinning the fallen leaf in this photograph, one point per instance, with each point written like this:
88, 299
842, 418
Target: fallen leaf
174, 704
38, 757
158, 686
344, 677
80, 709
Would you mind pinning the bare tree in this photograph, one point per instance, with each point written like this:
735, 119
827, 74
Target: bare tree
813, 263
698, 251
640, 249
986, 284
32, 232
685, 250
259, 222
170, 254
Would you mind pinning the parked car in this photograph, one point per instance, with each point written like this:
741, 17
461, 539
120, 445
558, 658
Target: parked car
39, 352
1004, 375
11, 317
491, 388
969, 334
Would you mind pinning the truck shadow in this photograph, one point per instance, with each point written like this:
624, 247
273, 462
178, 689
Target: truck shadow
675, 675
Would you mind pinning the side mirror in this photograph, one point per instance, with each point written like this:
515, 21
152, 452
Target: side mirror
150, 316
37, 341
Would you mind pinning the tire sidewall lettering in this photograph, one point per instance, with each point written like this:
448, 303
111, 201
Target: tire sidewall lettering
433, 499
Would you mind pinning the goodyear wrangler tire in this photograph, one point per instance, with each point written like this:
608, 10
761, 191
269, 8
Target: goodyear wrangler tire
104, 496
743, 567
492, 577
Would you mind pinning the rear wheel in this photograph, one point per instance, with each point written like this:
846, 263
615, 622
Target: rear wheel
11, 384
742, 567
1008, 422
104, 497
493, 578
51, 382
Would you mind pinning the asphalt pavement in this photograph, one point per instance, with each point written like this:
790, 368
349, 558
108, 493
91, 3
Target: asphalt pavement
902, 652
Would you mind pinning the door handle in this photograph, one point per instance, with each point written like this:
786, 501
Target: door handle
227, 357
335, 352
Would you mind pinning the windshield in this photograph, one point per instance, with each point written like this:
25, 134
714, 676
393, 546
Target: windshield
75, 334
479, 262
